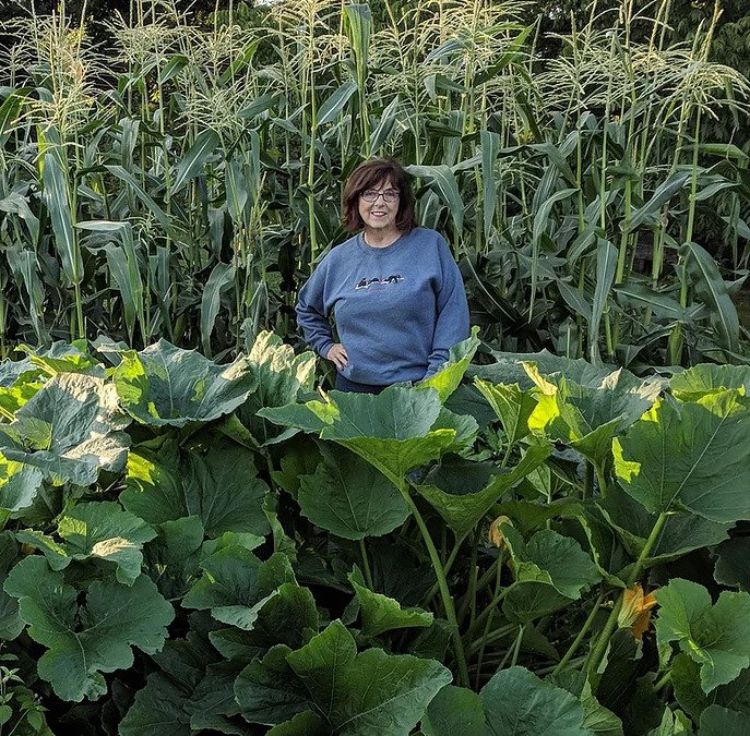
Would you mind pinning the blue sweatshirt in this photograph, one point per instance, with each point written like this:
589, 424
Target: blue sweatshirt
398, 309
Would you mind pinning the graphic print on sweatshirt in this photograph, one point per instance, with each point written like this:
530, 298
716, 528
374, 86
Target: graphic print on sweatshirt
365, 283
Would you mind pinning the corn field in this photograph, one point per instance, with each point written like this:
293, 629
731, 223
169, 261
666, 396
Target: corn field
182, 182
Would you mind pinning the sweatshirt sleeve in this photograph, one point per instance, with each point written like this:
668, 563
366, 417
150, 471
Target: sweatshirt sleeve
312, 313
452, 323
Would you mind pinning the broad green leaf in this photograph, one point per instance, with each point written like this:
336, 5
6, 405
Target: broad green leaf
165, 385
69, 430
517, 703
672, 724
85, 641
718, 721
696, 382
19, 485
11, 624
683, 531
551, 558
172, 558
453, 711
396, 431
11, 371
301, 457
159, 709
311, 416
194, 160
461, 506
281, 375
14, 397
685, 679
289, 617
192, 692
267, 690
717, 636
303, 724
379, 613
220, 485
101, 531
467, 401
349, 497
528, 600
589, 417
235, 585
63, 357
689, 457
512, 405
511, 368
448, 378
365, 694
731, 563
56, 554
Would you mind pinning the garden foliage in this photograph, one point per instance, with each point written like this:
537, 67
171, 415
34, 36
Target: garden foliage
183, 180
531, 546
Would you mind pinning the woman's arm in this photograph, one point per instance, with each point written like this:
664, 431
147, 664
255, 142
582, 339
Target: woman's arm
312, 312
452, 322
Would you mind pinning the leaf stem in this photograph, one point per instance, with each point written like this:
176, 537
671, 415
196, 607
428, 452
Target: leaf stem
597, 653
366, 564
450, 611
581, 634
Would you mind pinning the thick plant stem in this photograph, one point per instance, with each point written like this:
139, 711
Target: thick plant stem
600, 648
450, 611
487, 627
446, 568
581, 634
366, 564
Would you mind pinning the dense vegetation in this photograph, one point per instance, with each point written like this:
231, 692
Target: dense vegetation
181, 182
209, 542
191, 547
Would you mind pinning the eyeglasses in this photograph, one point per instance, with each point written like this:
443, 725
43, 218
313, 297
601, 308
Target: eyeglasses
389, 195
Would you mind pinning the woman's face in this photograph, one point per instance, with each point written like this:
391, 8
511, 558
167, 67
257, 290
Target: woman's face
377, 212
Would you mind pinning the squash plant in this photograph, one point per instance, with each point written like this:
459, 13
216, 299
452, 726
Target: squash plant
532, 546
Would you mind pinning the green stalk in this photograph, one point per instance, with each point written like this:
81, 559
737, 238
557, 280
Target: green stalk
603, 165
600, 648
675, 338
366, 564
445, 594
482, 617
311, 164
470, 600
581, 635
517, 645
488, 625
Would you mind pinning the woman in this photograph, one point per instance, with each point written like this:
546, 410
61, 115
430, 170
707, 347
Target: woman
395, 291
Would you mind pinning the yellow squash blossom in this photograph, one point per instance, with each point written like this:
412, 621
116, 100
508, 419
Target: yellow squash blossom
635, 613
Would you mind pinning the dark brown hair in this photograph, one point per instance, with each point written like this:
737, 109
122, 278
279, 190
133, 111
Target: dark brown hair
366, 176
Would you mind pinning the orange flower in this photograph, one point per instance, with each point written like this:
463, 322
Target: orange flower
496, 536
635, 613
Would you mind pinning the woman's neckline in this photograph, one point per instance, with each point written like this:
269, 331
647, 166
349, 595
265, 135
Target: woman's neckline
378, 248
